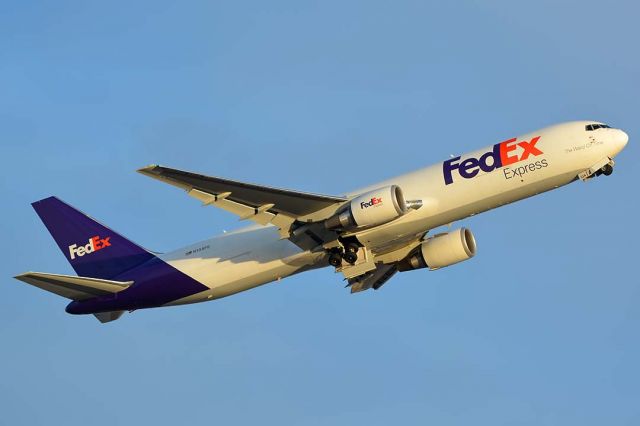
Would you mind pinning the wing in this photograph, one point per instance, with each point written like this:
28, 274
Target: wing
261, 204
298, 215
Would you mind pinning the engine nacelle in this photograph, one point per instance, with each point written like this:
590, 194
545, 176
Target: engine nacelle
442, 250
370, 209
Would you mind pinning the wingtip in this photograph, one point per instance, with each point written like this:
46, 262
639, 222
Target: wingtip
20, 277
148, 169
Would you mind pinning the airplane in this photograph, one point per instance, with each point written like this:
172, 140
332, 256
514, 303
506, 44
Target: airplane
367, 235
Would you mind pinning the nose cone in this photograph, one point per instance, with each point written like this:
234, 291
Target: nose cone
619, 140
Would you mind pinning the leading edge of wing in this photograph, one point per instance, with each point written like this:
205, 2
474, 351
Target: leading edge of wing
294, 203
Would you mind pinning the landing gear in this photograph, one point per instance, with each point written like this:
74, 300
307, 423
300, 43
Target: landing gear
350, 257
348, 252
606, 170
351, 253
602, 167
335, 260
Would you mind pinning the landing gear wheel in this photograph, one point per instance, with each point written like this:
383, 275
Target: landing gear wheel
352, 248
350, 257
335, 260
607, 170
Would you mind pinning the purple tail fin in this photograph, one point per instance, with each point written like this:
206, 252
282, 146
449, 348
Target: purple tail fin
92, 249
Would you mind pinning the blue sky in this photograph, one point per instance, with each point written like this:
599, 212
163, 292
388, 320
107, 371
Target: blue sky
540, 328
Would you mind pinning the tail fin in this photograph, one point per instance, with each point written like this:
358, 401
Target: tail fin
92, 249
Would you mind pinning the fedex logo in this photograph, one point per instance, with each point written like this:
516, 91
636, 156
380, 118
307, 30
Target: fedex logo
502, 154
95, 243
373, 202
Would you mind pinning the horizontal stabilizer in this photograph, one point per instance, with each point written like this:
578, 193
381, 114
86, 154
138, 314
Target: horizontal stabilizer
73, 287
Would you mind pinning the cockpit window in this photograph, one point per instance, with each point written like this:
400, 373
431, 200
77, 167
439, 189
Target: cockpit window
590, 127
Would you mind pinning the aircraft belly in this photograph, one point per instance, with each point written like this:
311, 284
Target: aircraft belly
234, 263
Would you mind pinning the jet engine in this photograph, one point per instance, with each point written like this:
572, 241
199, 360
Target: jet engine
370, 209
442, 250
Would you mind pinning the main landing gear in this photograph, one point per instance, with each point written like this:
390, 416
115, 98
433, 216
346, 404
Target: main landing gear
349, 254
335, 259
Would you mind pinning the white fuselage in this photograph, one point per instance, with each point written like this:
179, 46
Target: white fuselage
256, 255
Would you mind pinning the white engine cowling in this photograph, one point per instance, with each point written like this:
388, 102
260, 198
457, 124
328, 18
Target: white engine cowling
442, 250
371, 209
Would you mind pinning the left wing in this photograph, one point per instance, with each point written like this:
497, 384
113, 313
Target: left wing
261, 204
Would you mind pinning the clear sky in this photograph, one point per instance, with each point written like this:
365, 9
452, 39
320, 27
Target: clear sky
541, 328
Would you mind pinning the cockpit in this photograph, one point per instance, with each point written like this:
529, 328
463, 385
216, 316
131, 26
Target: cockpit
595, 126
614, 139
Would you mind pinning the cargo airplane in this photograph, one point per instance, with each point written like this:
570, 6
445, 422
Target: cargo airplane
367, 235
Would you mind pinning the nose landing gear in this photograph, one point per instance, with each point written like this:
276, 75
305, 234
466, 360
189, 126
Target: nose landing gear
602, 167
607, 170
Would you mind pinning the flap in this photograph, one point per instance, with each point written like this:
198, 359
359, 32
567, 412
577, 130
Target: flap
373, 279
